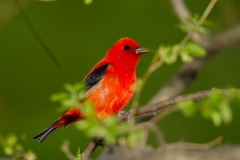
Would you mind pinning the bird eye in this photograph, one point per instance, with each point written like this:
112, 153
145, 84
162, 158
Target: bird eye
126, 47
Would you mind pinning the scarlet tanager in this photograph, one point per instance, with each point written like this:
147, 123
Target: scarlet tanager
109, 85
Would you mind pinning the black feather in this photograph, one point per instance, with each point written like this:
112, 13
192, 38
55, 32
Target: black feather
46, 132
95, 77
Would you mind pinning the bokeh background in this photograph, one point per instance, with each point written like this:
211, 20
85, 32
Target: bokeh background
79, 35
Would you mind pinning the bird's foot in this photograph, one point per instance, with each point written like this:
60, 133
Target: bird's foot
124, 113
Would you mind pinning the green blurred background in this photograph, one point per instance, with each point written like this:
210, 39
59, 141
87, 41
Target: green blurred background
79, 35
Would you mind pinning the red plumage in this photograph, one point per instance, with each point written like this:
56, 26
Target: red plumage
110, 84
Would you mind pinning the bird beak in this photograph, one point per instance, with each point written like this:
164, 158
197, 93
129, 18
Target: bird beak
141, 50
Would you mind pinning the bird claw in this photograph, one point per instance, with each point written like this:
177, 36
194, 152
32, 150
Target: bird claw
124, 113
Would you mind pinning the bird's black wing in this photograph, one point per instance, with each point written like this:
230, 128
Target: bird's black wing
95, 77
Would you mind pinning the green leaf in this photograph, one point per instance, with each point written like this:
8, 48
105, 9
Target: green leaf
169, 54
82, 125
30, 155
206, 110
226, 112
193, 49
81, 96
96, 130
187, 107
208, 24
185, 27
196, 17
59, 96
88, 109
186, 58
235, 94
216, 118
122, 128
11, 140
69, 87
139, 82
171, 59
79, 86
8, 150
164, 51
78, 155
200, 30
110, 139
134, 137
68, 103
193, 20
87, 2
110, 121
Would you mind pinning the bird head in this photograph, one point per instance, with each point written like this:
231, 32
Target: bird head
126, 50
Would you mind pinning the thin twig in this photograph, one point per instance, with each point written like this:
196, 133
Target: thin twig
159, 136
187, 145
65, 149
36, 35
164, 113
95, 142
149, 126
144, 79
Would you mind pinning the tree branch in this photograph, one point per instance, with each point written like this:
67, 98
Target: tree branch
225, 40
223, 152
153, 108
65, 149
95, 142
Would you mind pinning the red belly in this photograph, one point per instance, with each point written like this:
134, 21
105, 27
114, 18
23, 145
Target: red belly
109, 97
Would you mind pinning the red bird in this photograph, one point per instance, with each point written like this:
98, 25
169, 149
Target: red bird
109, 85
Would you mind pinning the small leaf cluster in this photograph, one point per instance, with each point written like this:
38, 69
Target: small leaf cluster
72, 95
186, 49
87, 2
12, 148
107, 128
10, 145
78, 155
191, 24
169, 54
217, 107
187, 107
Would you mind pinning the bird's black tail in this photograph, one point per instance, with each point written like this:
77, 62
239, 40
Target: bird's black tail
70, 116
48, 131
